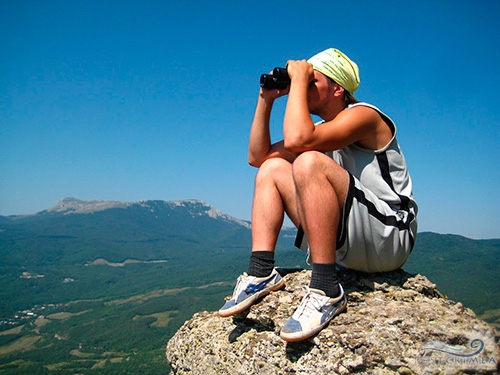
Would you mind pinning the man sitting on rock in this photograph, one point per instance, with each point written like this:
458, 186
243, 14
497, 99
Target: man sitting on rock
343, 182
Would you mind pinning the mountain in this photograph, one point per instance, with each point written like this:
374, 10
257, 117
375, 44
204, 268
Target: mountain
99, 287
75, 233
110, 225
68, 206
61, 242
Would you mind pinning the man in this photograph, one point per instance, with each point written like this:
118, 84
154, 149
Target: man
343, 183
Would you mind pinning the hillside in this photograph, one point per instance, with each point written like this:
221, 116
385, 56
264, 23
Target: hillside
99, 287
464, 269
63, 242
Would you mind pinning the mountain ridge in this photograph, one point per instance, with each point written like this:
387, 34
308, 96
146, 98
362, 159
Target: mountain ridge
74, 206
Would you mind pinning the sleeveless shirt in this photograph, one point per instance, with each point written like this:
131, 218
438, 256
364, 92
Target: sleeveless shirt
383, 171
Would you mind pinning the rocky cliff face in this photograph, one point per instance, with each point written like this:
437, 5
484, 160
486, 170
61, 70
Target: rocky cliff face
395, 323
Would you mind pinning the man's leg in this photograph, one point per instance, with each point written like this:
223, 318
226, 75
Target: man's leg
321, 189
274, 195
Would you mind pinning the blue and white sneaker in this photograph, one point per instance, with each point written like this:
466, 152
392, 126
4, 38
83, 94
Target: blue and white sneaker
248, 290
314, 313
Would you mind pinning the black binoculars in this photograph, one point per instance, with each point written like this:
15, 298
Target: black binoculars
279, 80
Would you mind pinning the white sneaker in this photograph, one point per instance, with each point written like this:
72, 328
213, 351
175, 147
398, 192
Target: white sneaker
248, 290
314, 313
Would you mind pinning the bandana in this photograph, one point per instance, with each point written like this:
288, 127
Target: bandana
334, 64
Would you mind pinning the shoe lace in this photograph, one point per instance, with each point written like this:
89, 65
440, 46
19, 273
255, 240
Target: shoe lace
310, 304
241, 284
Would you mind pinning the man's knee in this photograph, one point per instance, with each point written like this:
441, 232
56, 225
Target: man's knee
316, 166
308, 163
272, 168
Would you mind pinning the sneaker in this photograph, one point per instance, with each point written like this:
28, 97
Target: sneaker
314, 313
248, 290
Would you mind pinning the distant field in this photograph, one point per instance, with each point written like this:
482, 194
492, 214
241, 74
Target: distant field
98, 337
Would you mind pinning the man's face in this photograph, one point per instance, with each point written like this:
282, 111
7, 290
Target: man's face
319, 93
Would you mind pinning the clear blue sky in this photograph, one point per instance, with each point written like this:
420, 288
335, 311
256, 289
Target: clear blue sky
137, 100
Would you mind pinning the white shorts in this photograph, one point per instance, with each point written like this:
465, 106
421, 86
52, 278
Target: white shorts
372, 237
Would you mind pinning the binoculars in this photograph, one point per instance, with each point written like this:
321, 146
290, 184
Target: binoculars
279, 80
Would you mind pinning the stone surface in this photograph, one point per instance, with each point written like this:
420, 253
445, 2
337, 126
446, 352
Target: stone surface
395, 323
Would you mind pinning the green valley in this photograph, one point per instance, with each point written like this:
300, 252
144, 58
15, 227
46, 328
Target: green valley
92, 290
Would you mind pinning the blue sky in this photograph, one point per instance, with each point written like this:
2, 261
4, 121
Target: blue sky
136, 100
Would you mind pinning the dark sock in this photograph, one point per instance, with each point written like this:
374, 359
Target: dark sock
261, 263
324, 278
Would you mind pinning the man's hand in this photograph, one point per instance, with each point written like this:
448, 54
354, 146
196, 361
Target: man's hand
271, 94
300, 70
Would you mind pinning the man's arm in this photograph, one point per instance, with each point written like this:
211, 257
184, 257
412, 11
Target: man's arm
260, 147
341, 128
361, 125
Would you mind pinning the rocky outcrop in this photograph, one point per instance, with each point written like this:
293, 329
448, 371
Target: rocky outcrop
395, 323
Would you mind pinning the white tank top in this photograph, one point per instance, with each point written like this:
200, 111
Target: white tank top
383, 171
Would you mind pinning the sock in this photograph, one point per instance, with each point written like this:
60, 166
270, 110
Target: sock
324, 278
261, 263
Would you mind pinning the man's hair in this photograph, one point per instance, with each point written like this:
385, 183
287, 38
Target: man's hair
349, 98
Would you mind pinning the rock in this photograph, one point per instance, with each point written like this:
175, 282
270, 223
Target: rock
395, 323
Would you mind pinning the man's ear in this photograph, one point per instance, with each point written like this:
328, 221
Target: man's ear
338, 90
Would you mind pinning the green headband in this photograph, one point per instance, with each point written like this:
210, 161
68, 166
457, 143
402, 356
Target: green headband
336, 65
